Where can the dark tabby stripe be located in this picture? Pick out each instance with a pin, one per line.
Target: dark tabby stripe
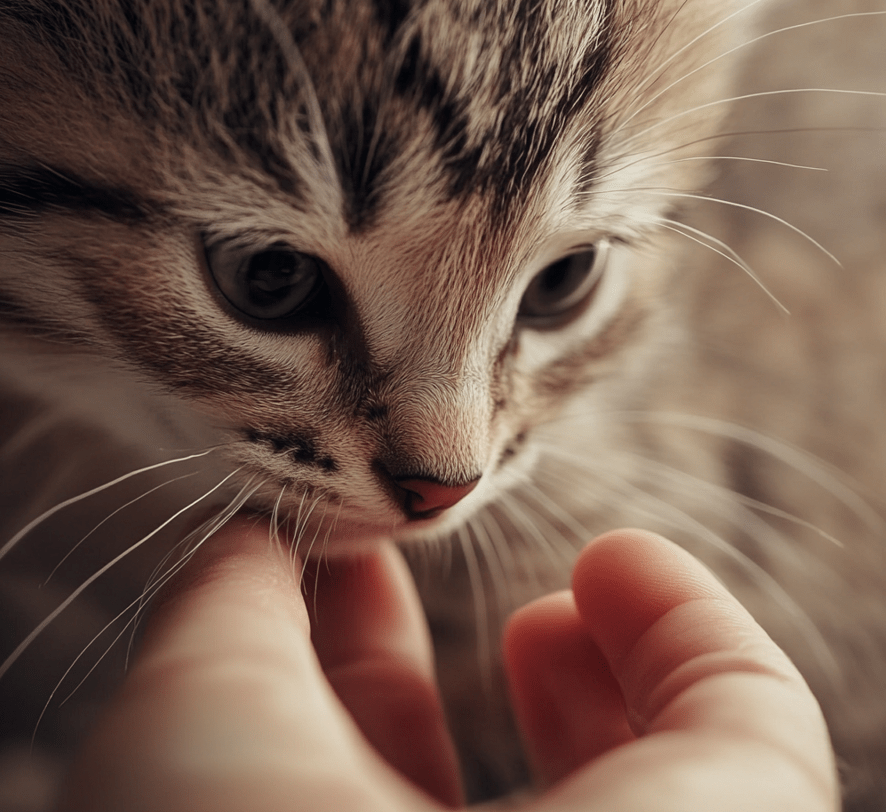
(27, 191)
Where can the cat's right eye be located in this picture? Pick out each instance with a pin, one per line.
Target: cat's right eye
(562, 289)
(277, 283)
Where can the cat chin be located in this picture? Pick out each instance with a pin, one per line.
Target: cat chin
(349, 536)
(352, 537)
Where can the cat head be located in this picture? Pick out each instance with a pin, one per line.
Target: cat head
(380, 244)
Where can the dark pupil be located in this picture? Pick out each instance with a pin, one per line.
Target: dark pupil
(555, 276)
(272, 275)
(272, 270)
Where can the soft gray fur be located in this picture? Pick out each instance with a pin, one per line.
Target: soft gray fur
(437, 156)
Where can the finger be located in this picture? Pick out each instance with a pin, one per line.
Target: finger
(719, 707)
(226, 707)
(373, 642)
(568, 705)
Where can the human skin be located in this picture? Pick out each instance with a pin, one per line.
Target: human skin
(645, 687)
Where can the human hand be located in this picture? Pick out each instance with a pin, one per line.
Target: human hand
(651, 689)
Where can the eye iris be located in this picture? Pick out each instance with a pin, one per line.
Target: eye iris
(562, 287)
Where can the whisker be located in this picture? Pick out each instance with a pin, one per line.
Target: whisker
(207, 529)
(475, 577)
(319, 557)
(324, 549)
(152, 579)
(275, 516)
(580, 532)
(746, 159)
(745, 44)
(154, 585)
(497, 573)
(700, 237)
(814, 468)
(74, 499)
(7, 663)
(300, 533)
(496, 535)
(515, 510)
(652, 156)
(668, 476)
(111, 516)
(568, 547)
(626, 144)
(730, 134)
(211, 526)
(745, 207)
(741, 499)
(444, 557)
(301, 519)
(656, 73)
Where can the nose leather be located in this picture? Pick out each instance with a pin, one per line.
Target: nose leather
(426, 498)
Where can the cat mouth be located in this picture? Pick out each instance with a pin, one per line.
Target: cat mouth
(318, 527)
(349, 536)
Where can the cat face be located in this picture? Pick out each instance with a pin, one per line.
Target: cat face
(381, 246)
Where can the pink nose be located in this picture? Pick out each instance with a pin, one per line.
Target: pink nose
(426, 498)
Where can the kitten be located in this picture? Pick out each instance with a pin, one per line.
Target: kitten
(398, 270)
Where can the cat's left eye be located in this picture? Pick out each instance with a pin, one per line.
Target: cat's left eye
(562, 289)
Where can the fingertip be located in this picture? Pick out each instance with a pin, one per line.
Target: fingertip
(568, 706)
(241, 572)
(625, 580)
(664, 622)
(631, 553)
(534, 634)
(531, 625)
(243, 538)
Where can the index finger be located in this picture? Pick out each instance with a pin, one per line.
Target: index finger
(226, 707)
